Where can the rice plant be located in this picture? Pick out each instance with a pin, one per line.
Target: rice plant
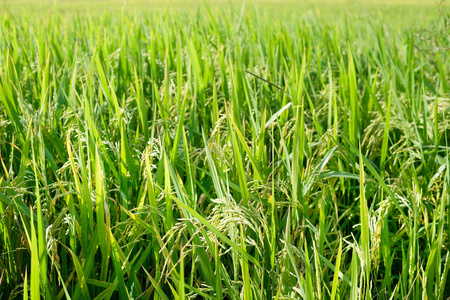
(223, 152)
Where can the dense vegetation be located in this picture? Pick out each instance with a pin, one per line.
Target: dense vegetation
(245, 154)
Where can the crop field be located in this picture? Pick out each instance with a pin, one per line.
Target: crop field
(224, 150)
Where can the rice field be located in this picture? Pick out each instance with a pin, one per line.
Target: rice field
(220, 150)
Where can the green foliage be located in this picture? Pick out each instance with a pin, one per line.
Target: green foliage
(223, 155)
